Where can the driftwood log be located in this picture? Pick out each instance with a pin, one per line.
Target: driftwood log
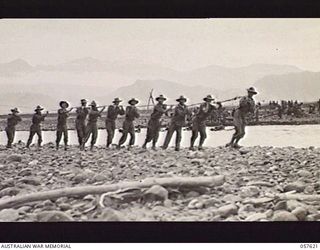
(85, 190)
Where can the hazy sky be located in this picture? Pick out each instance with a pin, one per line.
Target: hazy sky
(177, 43)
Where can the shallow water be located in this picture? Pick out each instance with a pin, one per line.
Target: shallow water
(272, 135)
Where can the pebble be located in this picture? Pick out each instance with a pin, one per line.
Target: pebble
(281, 205)
(26, 172)
(192, 194)
(284, 216)
(156, 193)
(300, 213)
(109, 214)
(53, 216)
(14, 158)
(297, 186)
(304, 173)
(256, 217)
(9, 215)
(31, 180)
(249, 191)
(9, 191)
(33, 163)
(227, 210)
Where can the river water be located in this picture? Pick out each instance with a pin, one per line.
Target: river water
(271, 135)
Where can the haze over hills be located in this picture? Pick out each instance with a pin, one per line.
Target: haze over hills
(103, 80)
(304, 86)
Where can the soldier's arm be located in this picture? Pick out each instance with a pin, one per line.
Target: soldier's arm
(136, 114)
(100, 112)
(121, 110)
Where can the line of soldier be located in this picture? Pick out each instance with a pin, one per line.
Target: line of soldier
(88, 127)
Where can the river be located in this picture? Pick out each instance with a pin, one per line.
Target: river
(271, 135)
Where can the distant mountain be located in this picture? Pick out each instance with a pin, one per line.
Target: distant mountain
(304, 86)
(14, 67)
(26, 102)
(228, 78)
(172, 90)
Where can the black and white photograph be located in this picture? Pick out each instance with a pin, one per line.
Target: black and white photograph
(177, 120)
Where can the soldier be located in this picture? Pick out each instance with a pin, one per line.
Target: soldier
(199, 122)
(62, 127)
(82, 113)
(128, 126)
(154, 123)
(178, 120)
(112, 114)
(35, 128)
(246, 106)
(12, 121)
(92, 127)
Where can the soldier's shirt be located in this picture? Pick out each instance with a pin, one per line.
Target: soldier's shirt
(93, 116)
(205, 110)
(82, 113)
(158, 111)
(13, 120)
(246, 105)
(180, 114)
(113, 112)
(131, 113)
(62, 117)
(36, 121)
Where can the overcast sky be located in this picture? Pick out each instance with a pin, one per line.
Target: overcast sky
(177, 43)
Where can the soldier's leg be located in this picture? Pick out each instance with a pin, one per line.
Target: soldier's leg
(58, 138)
(31, 135)
(124, 134)
(236, 122)
(94, 136)
(10, 135)
(149, 136)
(169, 134)
(65, 138)
(195, 131)
(203, 135)
(241, 134)
(132, 135)
(178, 137)
(110, 133)
(39, 134)
(155, 136)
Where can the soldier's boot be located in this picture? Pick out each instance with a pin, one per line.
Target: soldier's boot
(154, 146)
(91, 147)
(65, 147)
(177, 148)
(200, 147)
(144, 146)
(57, 146)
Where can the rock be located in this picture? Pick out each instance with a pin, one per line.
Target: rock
(309, 190)
(293, 204)
(227, 210)
(9, 191)
(284, 216)
(25, 172)
(211, 202)
(281, 205)
(249, 191)
(99, 178)
(256, 217)
(192, 194)
(31, 180)
(300, 213)
(198, 161)
(231, 198)
(65, 206)
(9, 215)
(168, 203)
(53, 216)
(110, 214)
(156, 193)
(304, 173)
(244, 151)
(89, 197)
(297, 186)
(195, 204)
(246, 210)
(14, 158)
(33, 163)
(24, 209)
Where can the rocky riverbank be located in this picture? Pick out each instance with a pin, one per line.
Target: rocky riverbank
(253, 179)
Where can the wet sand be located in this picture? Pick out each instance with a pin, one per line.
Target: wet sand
(251, 174)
